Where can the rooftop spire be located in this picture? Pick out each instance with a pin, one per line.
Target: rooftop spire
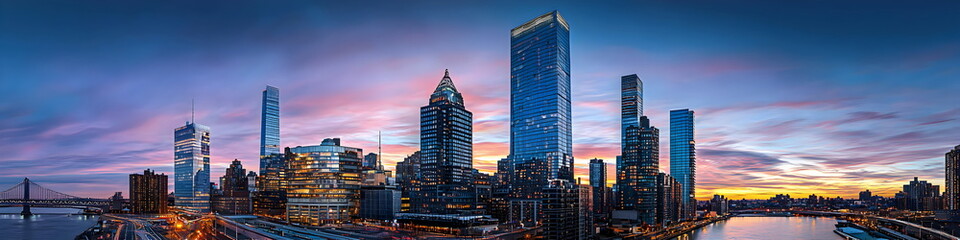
(446, 90)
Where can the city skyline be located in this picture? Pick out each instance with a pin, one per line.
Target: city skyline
(757, 142)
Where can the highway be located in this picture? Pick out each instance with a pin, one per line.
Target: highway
(134, 228)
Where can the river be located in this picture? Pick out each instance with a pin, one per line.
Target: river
(50, 223)
(765, 228)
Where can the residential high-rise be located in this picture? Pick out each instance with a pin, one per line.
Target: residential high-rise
(191, 151)
(586, 223)
(540, 119)
(270, 199)
(952, 194)
(683, 160)
(598, 183)
(919, 196)
(148, 193)
(638, 164)
(235, 199)
(560, 210)
(446, 153)
(866, 196)
(669, 201)
(720, 205)
(322, 183)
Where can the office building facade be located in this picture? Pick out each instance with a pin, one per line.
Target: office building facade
(191, 151)
(322, 183)
(446, 153)
(235, 196)
(683, 159)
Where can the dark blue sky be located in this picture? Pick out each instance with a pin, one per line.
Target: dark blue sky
(800, 97)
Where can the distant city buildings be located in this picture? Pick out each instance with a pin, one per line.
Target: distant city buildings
(234, 198)
(952, 181)
(191, 151)
(919, 196)
(408, 179)
(683, 161)
(322, 183)
(719, 205)
(669, 199)
(446, 154)
(148, 193)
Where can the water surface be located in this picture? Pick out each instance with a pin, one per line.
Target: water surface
(51, 223)
(766, 228)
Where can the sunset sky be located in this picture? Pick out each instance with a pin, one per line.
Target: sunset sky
(802, 98)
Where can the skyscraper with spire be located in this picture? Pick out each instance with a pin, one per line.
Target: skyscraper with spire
(446, 154)
(191, 150)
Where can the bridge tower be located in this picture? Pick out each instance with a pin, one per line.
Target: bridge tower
(26, 198)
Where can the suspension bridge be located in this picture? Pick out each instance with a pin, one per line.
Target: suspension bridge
(29, 193)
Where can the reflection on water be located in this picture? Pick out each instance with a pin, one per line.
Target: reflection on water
(764, 228)
(51, 223)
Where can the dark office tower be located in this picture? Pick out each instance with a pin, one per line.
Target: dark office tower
(638, 165)
(560, 209)
(446, 153)
(683, 159)
(669, 201)
(148, 193)
(408, 177)
(322, 183)
(540, 120)
(370, 161)
(866, 196)
(598, 182)
(637, 172)
(235, 199)
(953, 179)
(504, 176)
(191, 168)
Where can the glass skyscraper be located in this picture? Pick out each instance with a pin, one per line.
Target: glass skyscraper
(638, 164)
(191, 150)
(269, 198)
(683, 159)
(446, 154)
(598, 183)
(540, 120)
(270, 131)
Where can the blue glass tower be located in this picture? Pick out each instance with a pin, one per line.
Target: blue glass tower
(540, 122)
(191, 150)
(446, 154)
(638, 164)
(683, 160)
(269, 129)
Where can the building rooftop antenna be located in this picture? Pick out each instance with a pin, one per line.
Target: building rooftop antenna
(379, 150)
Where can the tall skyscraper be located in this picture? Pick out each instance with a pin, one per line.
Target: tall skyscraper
(953, 179)
(598, 182)
(148, 193)
(270, 123)
(269, 199)
(540, 120)
(191, 150)
(271, 160)
(683, 159)
(639, 163)
(446, 153)
(322, 183)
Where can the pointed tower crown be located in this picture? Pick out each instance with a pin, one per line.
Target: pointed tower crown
(446, 91)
